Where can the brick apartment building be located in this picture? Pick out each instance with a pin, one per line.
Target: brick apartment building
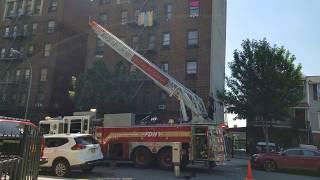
(52, 47)
(185, 38)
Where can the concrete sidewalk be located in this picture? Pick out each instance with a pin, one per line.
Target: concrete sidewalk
(53, 178)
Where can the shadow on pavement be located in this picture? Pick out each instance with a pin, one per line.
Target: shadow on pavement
(296, 172)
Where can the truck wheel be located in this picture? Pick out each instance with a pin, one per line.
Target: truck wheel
(61, 168)
(165, 158)
(142, 157)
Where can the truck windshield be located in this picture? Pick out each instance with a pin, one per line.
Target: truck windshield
(8, 128)
(44, 128)
(75, 126)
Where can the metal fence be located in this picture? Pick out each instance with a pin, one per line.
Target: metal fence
(20, 154)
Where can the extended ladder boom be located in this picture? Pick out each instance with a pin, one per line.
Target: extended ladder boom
(162, 79)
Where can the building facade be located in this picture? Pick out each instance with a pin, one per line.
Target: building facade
(302, 127)
(185, 38)
(312, 100)
(54, 44)
(50, 49)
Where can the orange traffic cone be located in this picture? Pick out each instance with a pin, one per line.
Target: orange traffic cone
(249, 175)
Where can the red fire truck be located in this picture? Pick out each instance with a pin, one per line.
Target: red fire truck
(200, 140)
(147, 144)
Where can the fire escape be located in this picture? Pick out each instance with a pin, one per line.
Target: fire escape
(143, 21)
(14, 36)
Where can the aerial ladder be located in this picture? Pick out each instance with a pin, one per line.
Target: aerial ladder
(214, 134)
(167, 83)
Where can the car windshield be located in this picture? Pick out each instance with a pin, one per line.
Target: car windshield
(85, 140)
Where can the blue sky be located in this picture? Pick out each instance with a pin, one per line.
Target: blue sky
(295, 24)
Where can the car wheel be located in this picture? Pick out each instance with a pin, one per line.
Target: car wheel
(87, 168)
(61, 168)
(165, 158)
(142, 157)
(269, 165)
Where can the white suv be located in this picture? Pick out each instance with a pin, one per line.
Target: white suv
(66, 151)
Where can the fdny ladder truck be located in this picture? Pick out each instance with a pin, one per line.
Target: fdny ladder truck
(175, 145)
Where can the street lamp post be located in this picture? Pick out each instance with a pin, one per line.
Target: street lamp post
(30, 80)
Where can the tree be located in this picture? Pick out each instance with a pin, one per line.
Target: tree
(108, 92)
(264, 83)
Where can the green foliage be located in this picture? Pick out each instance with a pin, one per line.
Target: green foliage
(108, 92)
(264, 82)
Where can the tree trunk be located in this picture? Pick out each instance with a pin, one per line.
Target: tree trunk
(266, 132)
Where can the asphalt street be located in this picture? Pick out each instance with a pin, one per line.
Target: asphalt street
(236, 169)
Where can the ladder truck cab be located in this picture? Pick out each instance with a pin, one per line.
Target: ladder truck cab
(66, 124)
(198, 140)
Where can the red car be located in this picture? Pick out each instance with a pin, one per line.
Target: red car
(294, 158)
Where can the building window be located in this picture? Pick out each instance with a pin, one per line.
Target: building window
(43, 75)
(6, 32)
(99, 48)
(316, 92)
(136, 16)
(124, 17)
(152, 42)
(164, 66)
(20, 7)
(18, 75)
(168, 11)
(8, 76)
(29, 7)
(34, 28)
(192, 68)
(10, 9)
(51, 26)
(47, 50)
(319, 119)
(14, 97)
(193, 38)
(135, 44)
(163, 97)
(166, 40)
(3, 53)
(103, 18)
(105, 1)
(53, 6)
(40, 99)
(194, 8)
(4, 97)
(23, 99)
(37, 9)
(27, 74)
(30, 50)
(15, 31)
(25, 30)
